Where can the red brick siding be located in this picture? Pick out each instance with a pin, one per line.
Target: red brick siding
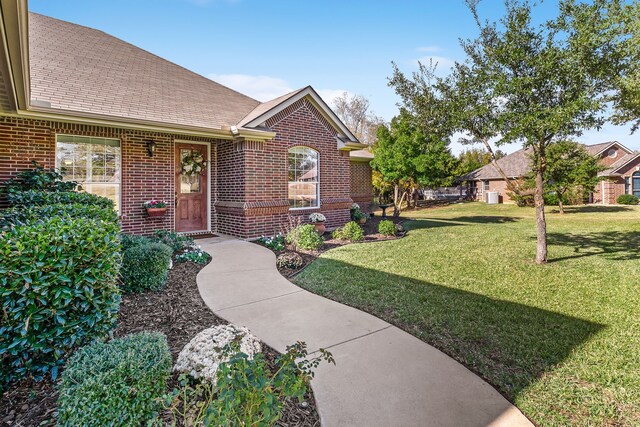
(143, 178)
(361, 186)
(606, 160)
(256, 202)
(498, 185)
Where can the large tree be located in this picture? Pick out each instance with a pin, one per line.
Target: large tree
(570, 168)
(354, 111)
(474, 158)
(408, 157)
(522, 83)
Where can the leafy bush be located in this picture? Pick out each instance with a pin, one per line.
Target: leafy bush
(246, 392)
(356, 213)
(551, 199)
(24, 214)
(289, 260)
(131, 240)
(146, 267)
(58, 288)
(275, 243)
(39, 198)
(627, 199)
(196, 255)
(115, 383)
(305, 237)
(39, 179)
(387, 228)
(174, 240)
(351, 231)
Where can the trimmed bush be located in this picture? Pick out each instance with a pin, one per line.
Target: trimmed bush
(131, 240)
(39, 179)
(387, 228)
(145, 267)
(351, 231)
(305, 237)
(115, 383)
(39, 198)
(174, 240)
(289, 260)
(627, 199)
(23, 214)
(58, 287)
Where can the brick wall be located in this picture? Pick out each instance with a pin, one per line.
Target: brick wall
(143, 178)
(253, 184)
(360, 186)
(498, 185)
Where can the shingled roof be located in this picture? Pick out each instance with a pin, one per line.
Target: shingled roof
(80, 69)
(515, 165)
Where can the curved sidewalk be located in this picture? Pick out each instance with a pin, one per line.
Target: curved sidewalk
(382, 377)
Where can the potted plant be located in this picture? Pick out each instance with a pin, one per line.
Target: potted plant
(317, 219)
(156, 207)
(357, 214)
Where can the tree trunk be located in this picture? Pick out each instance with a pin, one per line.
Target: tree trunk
(541, 223)
(560, 194)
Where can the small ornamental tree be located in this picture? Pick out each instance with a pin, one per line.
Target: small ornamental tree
(570, 166)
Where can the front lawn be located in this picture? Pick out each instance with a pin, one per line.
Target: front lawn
(561, 341)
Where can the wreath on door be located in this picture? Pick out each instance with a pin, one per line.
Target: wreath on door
(192, 165)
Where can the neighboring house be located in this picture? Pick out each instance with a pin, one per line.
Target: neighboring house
(621, 176)
(127, 124)
(361, 184)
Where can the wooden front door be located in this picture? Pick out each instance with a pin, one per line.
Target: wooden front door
(191, 188)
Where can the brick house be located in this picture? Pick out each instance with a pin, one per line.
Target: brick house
(132, 126)
(621, 176)
(361, 174)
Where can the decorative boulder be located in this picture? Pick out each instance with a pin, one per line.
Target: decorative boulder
(201, 357)
(399, 228)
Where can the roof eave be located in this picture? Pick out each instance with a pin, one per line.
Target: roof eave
(44, 113)
(15, 43)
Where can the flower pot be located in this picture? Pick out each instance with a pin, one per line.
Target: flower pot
(362, 220)
(156, 211)
(320, 228)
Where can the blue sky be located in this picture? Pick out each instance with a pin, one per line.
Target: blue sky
(267, 48)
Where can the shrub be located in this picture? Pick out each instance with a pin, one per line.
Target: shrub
(627, 199)
(39, 179)
(305, 237)
(115, 383)
(39, 198)
(24, 214)
(351, 231)
(196, 255)
(289, 260)
(246, 392)
(387, 228)
(174, 240)
(131, 240)
(551, 199)
(275, 243)
(145, 267)
(58, 287)
(356, 212)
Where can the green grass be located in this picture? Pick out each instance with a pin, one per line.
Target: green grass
(561, 341)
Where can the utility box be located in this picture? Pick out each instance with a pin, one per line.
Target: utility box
(493, 198)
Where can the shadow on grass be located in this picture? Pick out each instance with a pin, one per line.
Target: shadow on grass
(461, 220)
(595, 209)
(509, 344)
(615, 245)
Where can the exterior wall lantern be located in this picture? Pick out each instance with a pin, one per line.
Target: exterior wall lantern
(151, 147)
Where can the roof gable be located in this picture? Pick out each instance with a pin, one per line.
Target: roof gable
(262, 113)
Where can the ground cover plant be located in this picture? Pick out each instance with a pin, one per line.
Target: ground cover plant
(560, 341)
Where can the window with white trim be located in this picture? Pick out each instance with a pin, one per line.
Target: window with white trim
(304, 184)
(93, 162)
(485, 185)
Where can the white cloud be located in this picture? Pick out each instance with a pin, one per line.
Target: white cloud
(262, 88)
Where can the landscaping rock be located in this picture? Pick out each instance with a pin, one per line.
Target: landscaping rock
(201, 357)
(399, 228)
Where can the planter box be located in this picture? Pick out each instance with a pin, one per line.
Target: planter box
(155, 212)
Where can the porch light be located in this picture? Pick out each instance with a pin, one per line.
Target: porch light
(151, 147)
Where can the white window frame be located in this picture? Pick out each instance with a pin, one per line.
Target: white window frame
(58, 166)
(317, 206)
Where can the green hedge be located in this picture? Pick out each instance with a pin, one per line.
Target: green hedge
(31, 198)
(117, 383)
(58, 288)
(627, 199)
(305, 237)
(387, 228)
(22, 214)
(131, 240)
(351, 231)
(145, 267)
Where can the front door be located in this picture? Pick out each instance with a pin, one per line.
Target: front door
(192, 163)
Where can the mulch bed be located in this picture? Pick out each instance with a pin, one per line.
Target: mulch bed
(370, 235)
(179, 312)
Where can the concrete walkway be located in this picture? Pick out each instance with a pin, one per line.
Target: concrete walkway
(382, 377)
